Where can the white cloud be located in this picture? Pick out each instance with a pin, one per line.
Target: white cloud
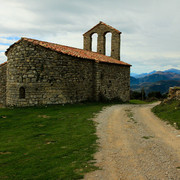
(4, 40)
(150, 29)
(3, 47)
(2, 57)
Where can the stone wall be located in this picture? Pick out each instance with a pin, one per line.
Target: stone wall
(114, 82)
(3, 84)
(174, 93)
(48, 77)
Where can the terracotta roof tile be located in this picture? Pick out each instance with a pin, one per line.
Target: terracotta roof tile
(3, 63)
(80, 53)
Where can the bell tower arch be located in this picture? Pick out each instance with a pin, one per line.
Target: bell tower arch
(102, 29)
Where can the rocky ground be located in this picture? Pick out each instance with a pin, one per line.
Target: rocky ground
(135, 144)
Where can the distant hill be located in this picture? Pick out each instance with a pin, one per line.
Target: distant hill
(157, 81)
(162, 86)
(134, 74)
(141, 75)
(155, 77)
(159, 76)
(177, 71)
(134, 80)
(173, 71)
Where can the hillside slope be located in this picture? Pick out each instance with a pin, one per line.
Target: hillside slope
(155, 77)
(177, 71)
(161, 86)
(158, 81)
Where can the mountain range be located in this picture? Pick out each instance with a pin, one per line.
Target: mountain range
(177, 71)
(155, 80)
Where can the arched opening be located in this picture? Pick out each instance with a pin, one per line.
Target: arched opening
(94, 39)
(22, 93)
(108, 39)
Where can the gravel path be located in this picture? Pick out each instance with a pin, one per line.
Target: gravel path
(135, 145)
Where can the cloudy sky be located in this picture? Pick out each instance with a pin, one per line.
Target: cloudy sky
(150, 28)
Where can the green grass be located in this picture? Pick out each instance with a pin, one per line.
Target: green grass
(130, 115)
(147, 137)
(136, 101)
(54, 142)
(169, 112)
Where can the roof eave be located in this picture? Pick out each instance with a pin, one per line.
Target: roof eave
(26, 39)
(17, 42)
(3, 64)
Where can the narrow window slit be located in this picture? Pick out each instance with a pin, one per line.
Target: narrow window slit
(22, 93)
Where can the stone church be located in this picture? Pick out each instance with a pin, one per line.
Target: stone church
(41, 73)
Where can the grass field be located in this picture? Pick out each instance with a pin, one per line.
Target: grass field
(54, 142)
(169, 112)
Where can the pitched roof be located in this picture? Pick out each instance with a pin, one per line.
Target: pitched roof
(105, 25)
(3, 63)
(80, 53)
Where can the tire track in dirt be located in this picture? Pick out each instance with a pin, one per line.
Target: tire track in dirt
(135, 144)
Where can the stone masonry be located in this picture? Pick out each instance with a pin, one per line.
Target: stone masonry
(48, 77)
(3, 83)
(174, 93)
(41, 73)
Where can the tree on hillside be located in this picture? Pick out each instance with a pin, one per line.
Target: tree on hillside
(143, 95)
(155, 94)
(135, 95)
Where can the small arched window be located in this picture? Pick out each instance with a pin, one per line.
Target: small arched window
(22, 93)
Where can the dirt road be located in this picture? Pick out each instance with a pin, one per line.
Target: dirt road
(135, 145)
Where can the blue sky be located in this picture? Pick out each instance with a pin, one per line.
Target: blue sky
(150, 29)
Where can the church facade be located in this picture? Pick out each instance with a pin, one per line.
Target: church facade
(41, 73)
